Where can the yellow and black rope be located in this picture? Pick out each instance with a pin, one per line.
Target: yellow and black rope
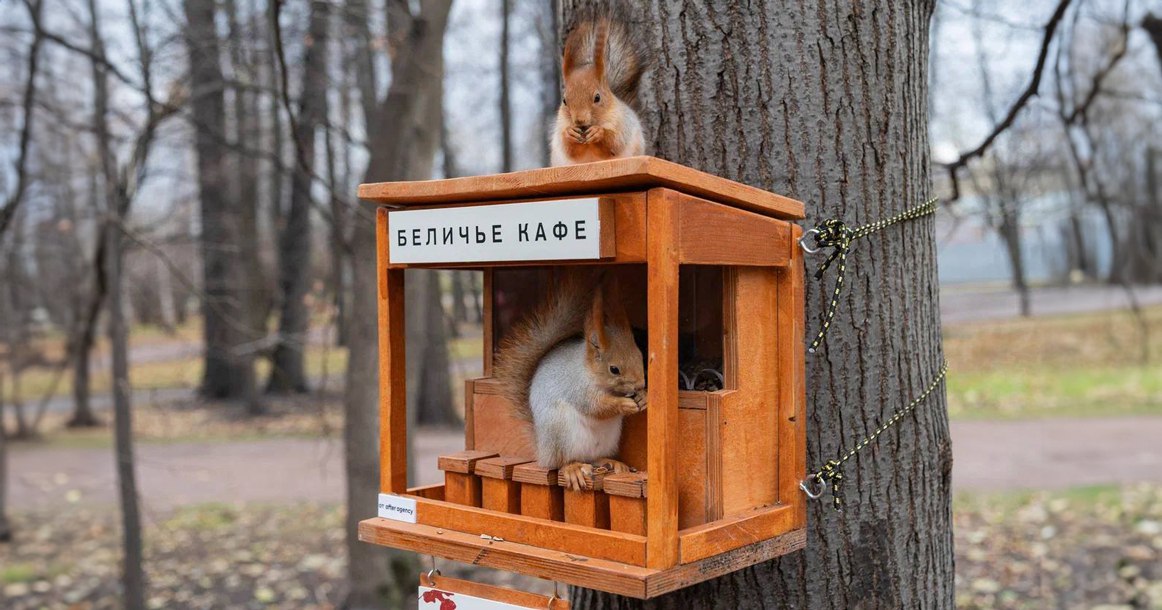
(833, 234)
(832, 472)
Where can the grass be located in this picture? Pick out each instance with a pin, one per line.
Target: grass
(1061, 366)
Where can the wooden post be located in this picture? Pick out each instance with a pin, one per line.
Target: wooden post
(662, 379)
(540, 496)
(589, 506)
(461, 483)
(393, 467)
(627, 502)
(499, 491)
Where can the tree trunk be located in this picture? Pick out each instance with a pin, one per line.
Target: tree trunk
(429, 387)
(288, 373)
(245, 174)
(505, 89)
(403, 148)
(1010, 231)
(827, 103)
(5, 524)
(550, 73)
(116, 203)
(229, 360)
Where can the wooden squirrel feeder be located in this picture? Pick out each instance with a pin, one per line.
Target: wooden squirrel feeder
(712, 277)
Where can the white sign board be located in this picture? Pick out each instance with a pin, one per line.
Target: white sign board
(431, 598)
(568, 229)
(397, 508)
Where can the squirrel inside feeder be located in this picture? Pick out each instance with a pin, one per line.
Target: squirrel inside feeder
(572, 369)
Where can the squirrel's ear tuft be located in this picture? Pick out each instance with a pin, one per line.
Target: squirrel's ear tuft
(595, 322)
(600, 39)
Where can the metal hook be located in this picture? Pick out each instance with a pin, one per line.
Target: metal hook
(803, 241)
(432, 572)
(813, 492)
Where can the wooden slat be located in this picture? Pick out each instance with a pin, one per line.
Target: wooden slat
(631, 173)
(542, 501)
(712, 567)
(793, 385)
(571, 568)
(500, 594)
(463, 462)
(715, 234)
(662, 375)
(534, 473)
(501, 495)
(580, 570)
(582, 541)
(500, 467)
(626, 484)
(627, 515)
(735, 531)
(392, 373)
(463, 489)
(469, 416)
(431, 492)
(750, 427)
(587, 508)
(714, 474)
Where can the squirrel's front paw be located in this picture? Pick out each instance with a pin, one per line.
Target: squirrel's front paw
(614, 466)
(639, 399)
(575, 134)
(574, 475)
(628, 405)
(595, 134)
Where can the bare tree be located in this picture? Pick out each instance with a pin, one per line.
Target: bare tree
(505, 88)
(229, 357)
(28, 115)
(794, 66)
(406, 136)
(288, 373)
(548, 26)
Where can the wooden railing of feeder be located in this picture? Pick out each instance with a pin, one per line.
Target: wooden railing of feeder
(717, 487)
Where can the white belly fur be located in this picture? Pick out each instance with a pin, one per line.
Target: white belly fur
(563, 432)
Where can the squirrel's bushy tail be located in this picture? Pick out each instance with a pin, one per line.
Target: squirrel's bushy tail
(559, 316)
(622, 57)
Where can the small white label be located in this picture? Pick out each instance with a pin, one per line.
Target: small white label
(569, 229)
(397, 508)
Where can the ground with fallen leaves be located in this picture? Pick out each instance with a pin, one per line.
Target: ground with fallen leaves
(1087, 548)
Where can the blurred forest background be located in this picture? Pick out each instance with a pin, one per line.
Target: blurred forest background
(185, 275)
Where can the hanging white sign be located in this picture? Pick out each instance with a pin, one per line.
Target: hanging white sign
(567, 229)
(443, 593)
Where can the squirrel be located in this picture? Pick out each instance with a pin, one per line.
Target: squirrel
(572, 369)
(601, 68)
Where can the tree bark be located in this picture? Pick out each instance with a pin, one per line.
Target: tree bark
(404, 146)
(288, 373)
(550, 73)
(229, 361)
(827, 103)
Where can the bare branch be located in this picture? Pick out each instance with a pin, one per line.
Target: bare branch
(8, 212)
(1029, 93)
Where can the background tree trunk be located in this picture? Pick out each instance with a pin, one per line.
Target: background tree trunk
(429, 387)
(505, 89)
(548, 28)
(404, 146)
(229, 361)
(827, 103)
(5, 524)
(288, 373)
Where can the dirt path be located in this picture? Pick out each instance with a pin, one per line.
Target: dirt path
(987, 456)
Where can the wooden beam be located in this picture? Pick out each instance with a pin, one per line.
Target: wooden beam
(662, 376)
(716, 234)
(393, 469)
(735, 532)
(632, 173)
